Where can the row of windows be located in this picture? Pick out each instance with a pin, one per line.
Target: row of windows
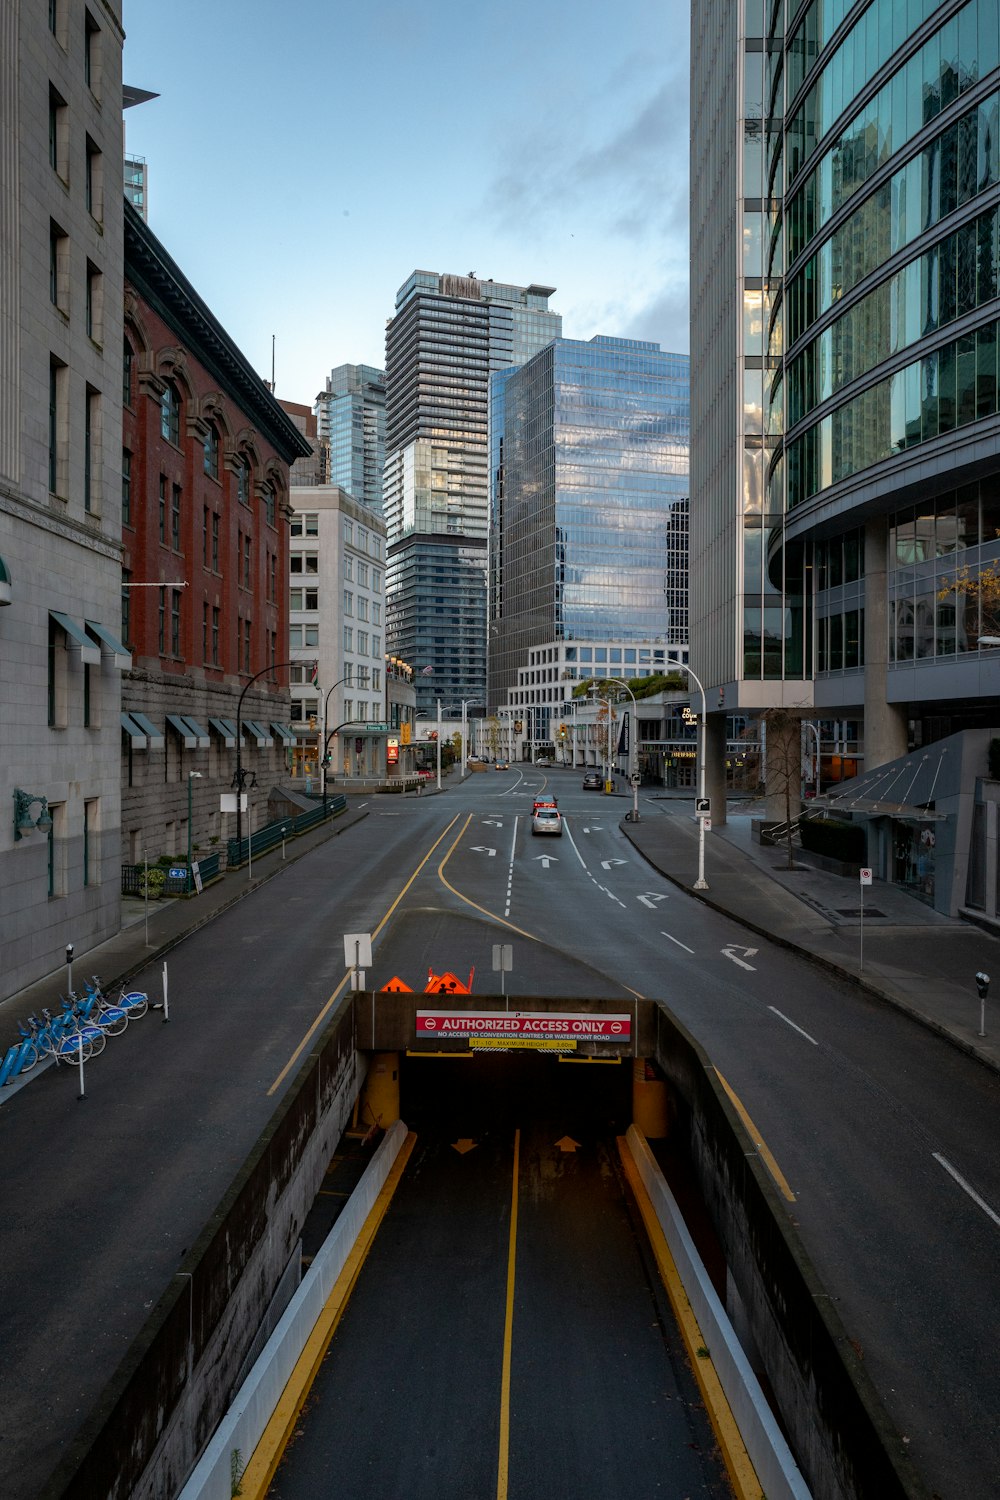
(60, 283)
(59, 156)
(875, 36)
(819, 22)
(960, 163)
(840, 641)
(952, 61)
(953, 278)
(58, 435)
(945, 390)
(961, 519)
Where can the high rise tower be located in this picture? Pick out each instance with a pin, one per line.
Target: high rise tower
(448, 334)
(351, 419)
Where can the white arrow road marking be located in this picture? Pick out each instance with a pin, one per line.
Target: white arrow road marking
(492, 822)
(651, 897)
(781, 1016)
(606, 864)
(677, 941)
(547, 859)
(595, 828)
(729, 953)
(482, 849)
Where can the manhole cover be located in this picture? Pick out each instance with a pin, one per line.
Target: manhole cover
(856, 911)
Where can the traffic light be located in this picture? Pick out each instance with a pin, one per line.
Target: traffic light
(328, 759)
(404, 734)
(562, 731)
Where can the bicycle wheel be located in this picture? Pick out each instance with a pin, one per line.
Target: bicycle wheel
(67, 1049)
(113, 1021)
(28, 1059)
(95, 1039)
(136, 1003)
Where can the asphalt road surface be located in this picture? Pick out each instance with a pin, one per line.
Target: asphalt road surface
(411, 1399)
(885, 1135)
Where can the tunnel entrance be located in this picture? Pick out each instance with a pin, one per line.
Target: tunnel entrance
(500, 1090)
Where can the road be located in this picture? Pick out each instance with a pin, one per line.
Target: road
(874, 1123)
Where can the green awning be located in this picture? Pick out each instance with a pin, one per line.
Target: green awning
(121, 657)
(90, 652)
(196, 729)
(156, 737)
(188, 737)
(257, 732)
(283, 732)
(139, 738)
(225, 729)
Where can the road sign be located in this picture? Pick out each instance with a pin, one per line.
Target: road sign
(376, 728)
(357, 950)
(703, 807)
(503, 958)
(636, 778)
(177, 872)
(866, 877)
(196, 872)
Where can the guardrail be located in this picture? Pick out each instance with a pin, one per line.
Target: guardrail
(238, 851)
(134, 877)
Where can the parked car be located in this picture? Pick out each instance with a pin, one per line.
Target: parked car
(546, 820)
(592, 782)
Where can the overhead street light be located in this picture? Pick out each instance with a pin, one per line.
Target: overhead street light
(701, 884)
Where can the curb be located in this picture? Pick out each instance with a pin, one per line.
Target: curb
(897, 1002)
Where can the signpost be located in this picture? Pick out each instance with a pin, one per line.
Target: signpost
(503, 961)
(866, 879)
(503, 1031)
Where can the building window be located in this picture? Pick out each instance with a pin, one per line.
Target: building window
(175, 517)
(215, 542)
(58, 678)
(362, 575)
(247, 569)
(128, 358)
(175, 622)
(58, 135)
(349, 567)
(126, 487)
(246, 645)
(348, 637)
(57, 426)
(92, 181)
(376, 679)
(376, 613)
(170, 414)
(126, 607)
(92, 54)
(93, 309)
(362, 607)
(161, 621)
(267, 495)
(273, 594)
(58, 267)
(242, 482)
(204, 536)
(91, 435)
(376, 581)
(53, 16)
(211, 458)
(163, 510)
(215, 636)
(90, 841)
(348, 603)
(204, 631)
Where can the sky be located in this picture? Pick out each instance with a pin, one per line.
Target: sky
(304, 160)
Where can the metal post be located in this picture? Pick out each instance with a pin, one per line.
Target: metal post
(465, 732)
(983, 985)
(69, 970)
(250, 841)
(701, 884)
(861, 932)
(166, 1002)
(192, 776)
(439, 744)
(145, 890)
(79, 1050)
(284, 830)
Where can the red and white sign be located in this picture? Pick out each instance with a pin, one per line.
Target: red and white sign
(866, 877)
(540, 1024)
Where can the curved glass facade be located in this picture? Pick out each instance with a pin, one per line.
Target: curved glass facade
(952, 61)
(953, 278)
(958, 165)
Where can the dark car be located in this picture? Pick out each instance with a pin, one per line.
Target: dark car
(592, 782)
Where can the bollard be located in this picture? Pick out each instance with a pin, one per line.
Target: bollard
(983, 986)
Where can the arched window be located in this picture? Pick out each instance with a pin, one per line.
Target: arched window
(170, 414)
(128, 356)
(212, 451)
(267, 495)
(243, 482)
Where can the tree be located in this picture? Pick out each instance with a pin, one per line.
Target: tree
(783, 764)
(981, 593)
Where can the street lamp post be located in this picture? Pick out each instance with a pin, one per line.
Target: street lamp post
(239, 780)
(437, 741)
(632, 747)
(192, 776)
(701, 884)
(326, 740)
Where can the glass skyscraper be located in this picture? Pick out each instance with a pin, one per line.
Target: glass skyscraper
(350, 416)
(845, 525)
(449, 333)
(589, 461)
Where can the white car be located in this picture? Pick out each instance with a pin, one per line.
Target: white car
(546, 820)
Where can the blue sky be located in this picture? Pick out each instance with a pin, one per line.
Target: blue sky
(300, 171)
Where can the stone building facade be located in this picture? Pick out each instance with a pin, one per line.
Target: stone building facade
(205, 458)
(60, 440)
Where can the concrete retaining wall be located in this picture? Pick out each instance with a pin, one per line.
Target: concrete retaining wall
(839, 1432)
(163, 1404)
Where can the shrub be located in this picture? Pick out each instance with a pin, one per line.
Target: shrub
(154, 882)
(835, 839)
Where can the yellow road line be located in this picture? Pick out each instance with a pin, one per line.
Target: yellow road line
(765, 1153)
(503, 1465)
(267, 1455)
(325, 1011)
(742, 1474)
(468, 901)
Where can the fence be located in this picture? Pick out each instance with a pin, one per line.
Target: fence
(238, 851)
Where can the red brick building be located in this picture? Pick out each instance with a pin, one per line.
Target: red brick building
(205, 461)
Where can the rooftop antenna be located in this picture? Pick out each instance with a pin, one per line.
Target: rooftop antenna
(273, 336)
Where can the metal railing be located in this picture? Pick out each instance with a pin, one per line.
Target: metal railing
(238, 850)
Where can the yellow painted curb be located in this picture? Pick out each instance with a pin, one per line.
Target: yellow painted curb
(742, 1474)
(267, 1455)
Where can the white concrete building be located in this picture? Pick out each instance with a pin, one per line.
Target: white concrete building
(61, 289)
(336, 623)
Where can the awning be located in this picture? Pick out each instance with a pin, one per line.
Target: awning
(189, 738)
(283, 732)
(196, 729)
(120, 657)
(5, 583)
(225, 729)
(257, 732)
(156, 738)
(904, 788)
(90, 652)
(139, 738)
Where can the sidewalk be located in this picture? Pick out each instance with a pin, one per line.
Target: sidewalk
(914, 958)
(128, 953)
